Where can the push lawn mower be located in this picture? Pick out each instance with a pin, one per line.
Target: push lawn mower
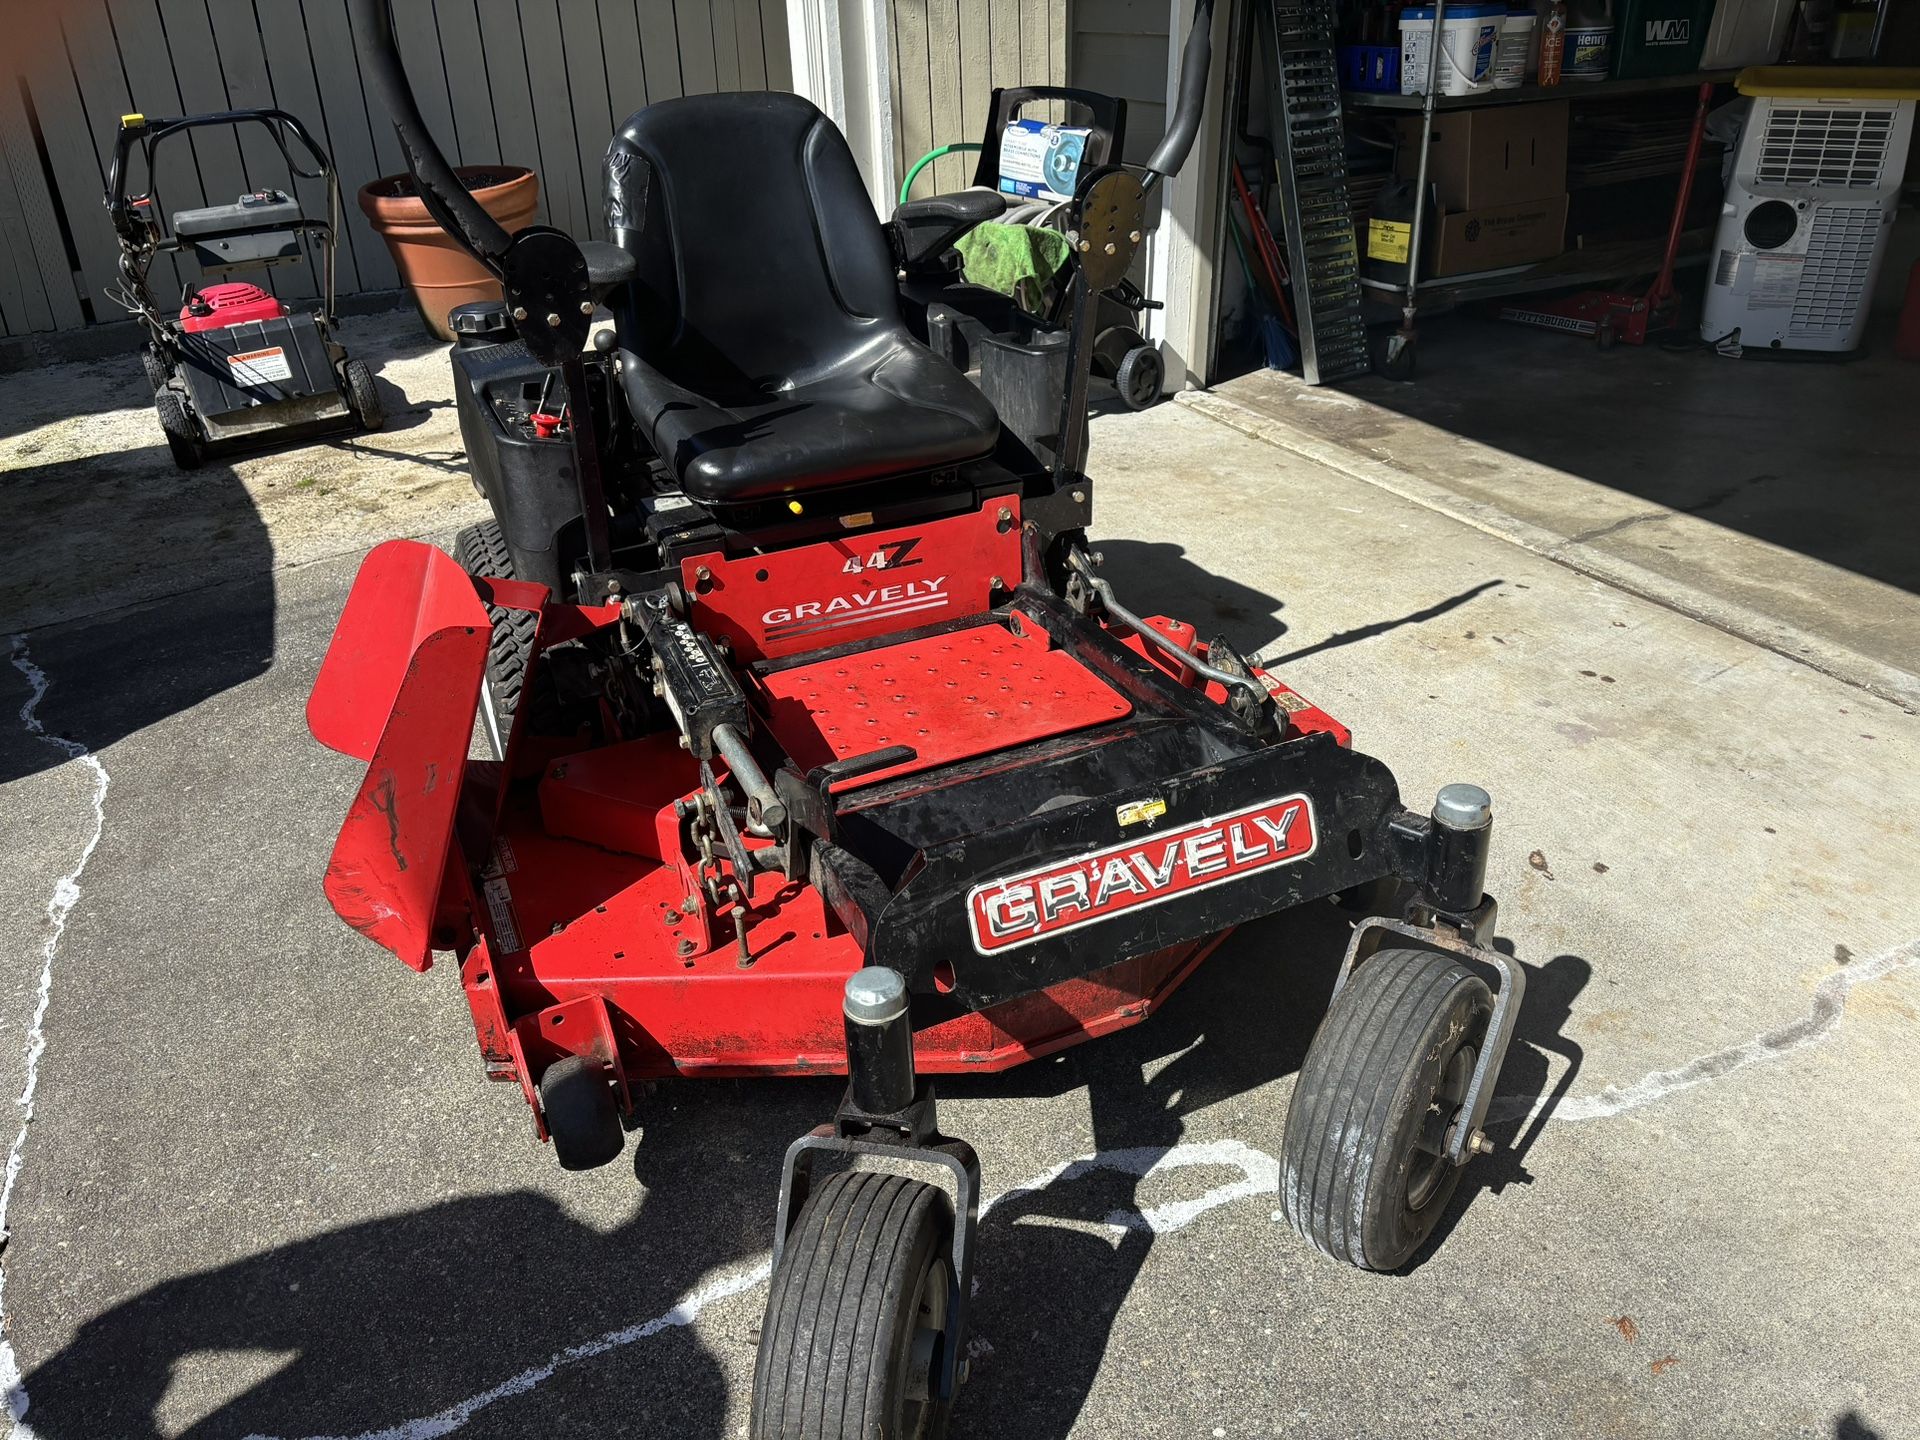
(235, 366)
(820, 745)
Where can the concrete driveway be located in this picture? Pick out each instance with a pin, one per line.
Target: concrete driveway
(265, 1191)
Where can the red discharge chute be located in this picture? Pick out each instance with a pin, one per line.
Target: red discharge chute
(398, 689)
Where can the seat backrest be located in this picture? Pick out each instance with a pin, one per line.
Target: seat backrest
(760, 260)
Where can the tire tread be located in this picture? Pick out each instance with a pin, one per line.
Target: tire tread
(827, 1303)
(1351, 1092)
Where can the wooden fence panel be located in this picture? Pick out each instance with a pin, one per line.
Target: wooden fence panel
(336, 70)
(948, 58)
(693, 23)
(912, 92)
(471, 135)
(533, 82)
(295, 88)
(142, 55)
(773, 44)
(660, 51)
(580, 25)
(76, 175)
(624, 54)
(18, 316)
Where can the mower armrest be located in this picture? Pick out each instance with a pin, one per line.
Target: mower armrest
(921, 231)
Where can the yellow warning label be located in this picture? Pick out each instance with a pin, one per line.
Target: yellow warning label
(1137, 812)
(1390, 240)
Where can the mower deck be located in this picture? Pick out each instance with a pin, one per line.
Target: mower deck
(588, 903)
(608, 928)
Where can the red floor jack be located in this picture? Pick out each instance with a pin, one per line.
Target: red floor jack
(1610, 315)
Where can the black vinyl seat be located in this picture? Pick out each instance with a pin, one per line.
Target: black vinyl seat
(762, 345)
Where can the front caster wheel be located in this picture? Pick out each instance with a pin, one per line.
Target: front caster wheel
(1363, 1175)
(583, 1121)
(855, 1333)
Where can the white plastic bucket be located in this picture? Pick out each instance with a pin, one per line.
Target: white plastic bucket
(1515, 50)
(1469, 36)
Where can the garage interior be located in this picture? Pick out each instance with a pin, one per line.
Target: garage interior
(1519, 375)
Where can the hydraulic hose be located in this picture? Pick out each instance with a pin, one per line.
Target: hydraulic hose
(446, 199)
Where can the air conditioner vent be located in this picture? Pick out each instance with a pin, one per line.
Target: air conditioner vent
(1838, 272)
(1821, 145)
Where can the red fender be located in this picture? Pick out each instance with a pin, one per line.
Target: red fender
(398, 689)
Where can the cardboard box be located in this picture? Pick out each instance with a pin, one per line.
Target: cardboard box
(1497, 236)
(1495, 156)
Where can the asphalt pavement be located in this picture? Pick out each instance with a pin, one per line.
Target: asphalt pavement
(266, 1191)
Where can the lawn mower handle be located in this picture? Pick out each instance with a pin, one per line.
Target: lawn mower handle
(149, 133)
(152, 132)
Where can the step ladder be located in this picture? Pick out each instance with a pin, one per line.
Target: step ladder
(1309, 142)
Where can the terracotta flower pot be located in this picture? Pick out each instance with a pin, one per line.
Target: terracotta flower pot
(439, 273)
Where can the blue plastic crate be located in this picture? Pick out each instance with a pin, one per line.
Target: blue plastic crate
(1369, 67)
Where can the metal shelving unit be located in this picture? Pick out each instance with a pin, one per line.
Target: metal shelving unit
(1593, 265)
(1415, 294)
(1566, 90)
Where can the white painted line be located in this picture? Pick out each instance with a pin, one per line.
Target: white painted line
(66, 894)
(1259, 1174)
(684, 1312)
(1821, 1019)
(1259, 1178)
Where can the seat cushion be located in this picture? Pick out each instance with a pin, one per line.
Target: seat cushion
(765, 349)
(902, 411)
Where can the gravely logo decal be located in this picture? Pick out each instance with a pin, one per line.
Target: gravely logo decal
(1020, 909)
(811, 616)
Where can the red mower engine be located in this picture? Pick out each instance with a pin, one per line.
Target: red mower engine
(235, 303)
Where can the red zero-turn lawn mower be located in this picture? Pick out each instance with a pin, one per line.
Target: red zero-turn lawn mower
(820, 745)
(235, 367)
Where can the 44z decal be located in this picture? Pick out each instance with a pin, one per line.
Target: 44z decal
(1020, 909)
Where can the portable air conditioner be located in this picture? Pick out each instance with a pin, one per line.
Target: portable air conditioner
(1810, 201)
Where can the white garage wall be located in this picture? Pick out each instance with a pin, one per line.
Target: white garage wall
(1119, 47)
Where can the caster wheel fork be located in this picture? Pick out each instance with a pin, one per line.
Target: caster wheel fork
(865, 1327)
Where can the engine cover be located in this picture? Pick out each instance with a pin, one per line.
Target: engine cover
(218, 306)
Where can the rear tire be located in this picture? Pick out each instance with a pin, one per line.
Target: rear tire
(1360, 1173)
(482, 551)
(854, 1335)
(155, 364)
(363, 398)
(182, 440)
(583, 1121)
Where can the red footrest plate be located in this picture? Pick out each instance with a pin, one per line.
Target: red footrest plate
(951, 697)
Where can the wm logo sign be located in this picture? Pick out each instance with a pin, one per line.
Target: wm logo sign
(1669, 32)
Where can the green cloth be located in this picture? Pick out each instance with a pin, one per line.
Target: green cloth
(1016, 260)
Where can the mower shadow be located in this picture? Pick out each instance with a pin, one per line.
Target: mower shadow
(1524, 1103)
(1243, 1020)
(142, 590)
(108, 595)
(1154, 577)
(459, 1308)
(456, 1310)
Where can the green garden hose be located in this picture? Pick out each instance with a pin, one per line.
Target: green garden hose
(931, 156)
